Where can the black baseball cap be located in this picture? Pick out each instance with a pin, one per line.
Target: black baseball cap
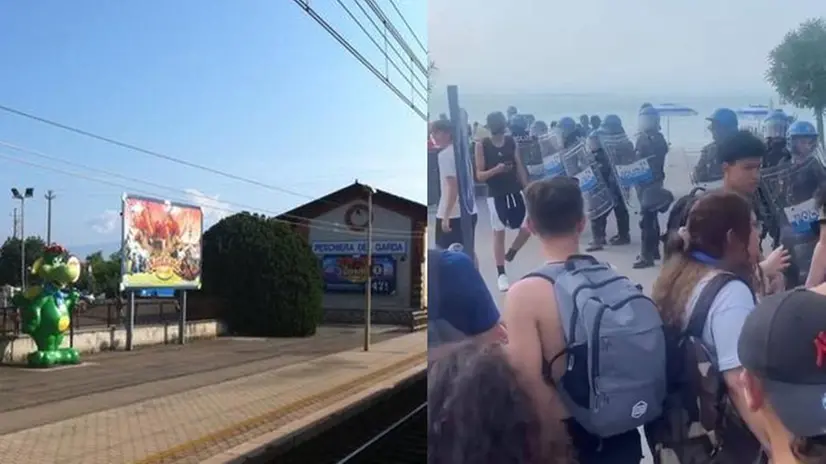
(783, 342)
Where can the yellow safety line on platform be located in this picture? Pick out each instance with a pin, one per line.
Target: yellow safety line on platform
(184, 450)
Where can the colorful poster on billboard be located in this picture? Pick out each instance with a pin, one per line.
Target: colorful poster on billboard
(161, 244)
(348, 274)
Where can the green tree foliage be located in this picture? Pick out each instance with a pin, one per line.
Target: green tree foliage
(10, 258)
(797, 68)
(105, 275)
(267, 274)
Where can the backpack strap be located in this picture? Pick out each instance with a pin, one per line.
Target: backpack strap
(551, 272)
(702, 307)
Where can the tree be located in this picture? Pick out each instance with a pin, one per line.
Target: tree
(797, 68)
(10, 258)
(431, 69)
(266, 273)
(105, 275)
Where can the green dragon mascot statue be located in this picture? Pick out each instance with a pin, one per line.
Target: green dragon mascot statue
(46, 309)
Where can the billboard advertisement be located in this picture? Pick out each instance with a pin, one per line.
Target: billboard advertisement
(348, 274)
(161, 244)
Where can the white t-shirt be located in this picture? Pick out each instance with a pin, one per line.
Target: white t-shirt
(725, 319)
(447, 168)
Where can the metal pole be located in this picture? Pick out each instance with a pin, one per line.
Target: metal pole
(464, 170)
(182, 320)
(49, 197)
(14, 229)
(369, 286)
(130, 320)
(22, 243)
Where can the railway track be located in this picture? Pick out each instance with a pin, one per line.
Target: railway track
(391, 428)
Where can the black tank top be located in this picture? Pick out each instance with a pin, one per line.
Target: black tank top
(505, 183)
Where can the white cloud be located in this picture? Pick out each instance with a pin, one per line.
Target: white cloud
(213, 209)
(106, 222)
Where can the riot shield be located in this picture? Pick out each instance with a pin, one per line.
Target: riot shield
(579, 163)
(549, 149)
(628, 169)
(708, 172)
(789, 188)
(531, 157)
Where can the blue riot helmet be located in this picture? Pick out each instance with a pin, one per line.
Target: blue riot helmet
(645, 105)
(539, 128)
(567, 126)
(723, 123)
(612, 124)
(802, 138)
(518, 124)
(649, 119)
(776, 125)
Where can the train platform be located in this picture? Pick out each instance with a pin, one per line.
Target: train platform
(204, 402)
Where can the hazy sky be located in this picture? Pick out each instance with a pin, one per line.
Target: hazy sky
(665, 46)
(254, 88)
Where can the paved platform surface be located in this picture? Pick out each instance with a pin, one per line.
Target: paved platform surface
(186, 404)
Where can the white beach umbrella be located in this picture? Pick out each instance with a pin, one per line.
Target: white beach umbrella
(672, 110)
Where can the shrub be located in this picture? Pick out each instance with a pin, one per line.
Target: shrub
(267, 274)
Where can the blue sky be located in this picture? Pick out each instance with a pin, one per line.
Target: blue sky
(253, 87)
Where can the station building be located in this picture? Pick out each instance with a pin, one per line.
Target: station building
(335, 226)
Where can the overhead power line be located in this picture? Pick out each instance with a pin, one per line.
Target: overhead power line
(159, 155)
(395, 33)
(356, 54)
(388, 44)
(238, 206)
(409, 29)
(306, 222)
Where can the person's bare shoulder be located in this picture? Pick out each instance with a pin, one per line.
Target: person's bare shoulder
(527, 297)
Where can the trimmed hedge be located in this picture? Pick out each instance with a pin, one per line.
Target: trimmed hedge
(267, 274)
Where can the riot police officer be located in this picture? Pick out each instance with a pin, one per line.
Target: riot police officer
(723, 124)
(651, 146)
(518, 127)
(802, 140)
(775, 127)
(539, 128)
(599, 224)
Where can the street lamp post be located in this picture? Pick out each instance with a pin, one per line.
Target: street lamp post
(27, 193)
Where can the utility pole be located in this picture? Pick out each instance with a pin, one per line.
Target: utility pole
(369, 284)
(14, 224)
(49, 197)
(22, 196)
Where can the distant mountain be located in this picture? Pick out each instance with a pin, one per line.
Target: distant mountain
(82, 251)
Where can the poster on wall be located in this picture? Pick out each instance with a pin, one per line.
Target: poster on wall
(161, 244)
(348, 274)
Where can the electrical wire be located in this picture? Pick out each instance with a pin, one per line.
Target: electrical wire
(387, 58)
(395, 33)
(298, 219)
(387, 43)
(366, 63)
(338, 229)
(409, 29)
(159, 155)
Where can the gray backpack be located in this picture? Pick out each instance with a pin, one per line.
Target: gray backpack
(615, 376)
